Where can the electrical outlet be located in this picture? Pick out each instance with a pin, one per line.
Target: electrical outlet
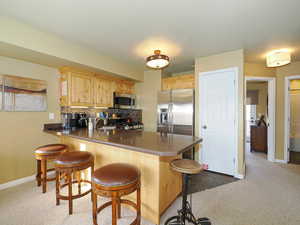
(51, 116)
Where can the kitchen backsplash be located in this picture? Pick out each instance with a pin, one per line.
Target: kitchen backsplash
(134, 114)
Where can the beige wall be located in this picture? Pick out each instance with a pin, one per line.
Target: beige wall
(262, 88)
(21, 132)
(43, 47)
(217, 62)
(147, 98)
(282, 72)
(258, 70)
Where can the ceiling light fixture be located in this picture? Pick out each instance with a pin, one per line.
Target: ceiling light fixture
(157, 61)
(278, 58)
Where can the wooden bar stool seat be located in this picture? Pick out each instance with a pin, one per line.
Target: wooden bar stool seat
(69, 163)
(114, 181)
(43, 155)
(186, 166)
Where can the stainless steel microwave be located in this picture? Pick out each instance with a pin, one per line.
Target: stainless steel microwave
(124, 101)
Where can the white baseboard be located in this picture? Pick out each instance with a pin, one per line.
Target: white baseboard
(280, 161)
(21, 181)
(240, 176)
(17, 182)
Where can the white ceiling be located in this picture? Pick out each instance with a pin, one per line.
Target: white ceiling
(130, 30)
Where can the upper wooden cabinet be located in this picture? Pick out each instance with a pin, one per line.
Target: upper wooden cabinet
(76, 88)
(125, 87)
(103, 92)
(178, 82)
(81, 88)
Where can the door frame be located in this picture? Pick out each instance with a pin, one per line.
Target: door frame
(287, 106)
(272, 112)
(236, 116)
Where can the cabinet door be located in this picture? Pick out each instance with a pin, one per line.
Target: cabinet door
(178, 82)
(64, 90)
(125, 87)
(109, 93)
(81, 90)
(103, 92)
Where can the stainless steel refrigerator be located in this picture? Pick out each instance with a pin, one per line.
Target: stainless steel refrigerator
(175, 111)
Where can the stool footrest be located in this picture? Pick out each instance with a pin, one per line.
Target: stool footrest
(64, 197)
(75, 182)
(123, 201)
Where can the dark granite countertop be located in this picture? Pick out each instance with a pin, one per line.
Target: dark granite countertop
(161, 144)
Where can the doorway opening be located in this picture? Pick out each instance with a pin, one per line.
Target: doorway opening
(260, 117)
(292, 151)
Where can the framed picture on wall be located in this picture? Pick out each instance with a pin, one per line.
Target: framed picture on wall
(23, 94)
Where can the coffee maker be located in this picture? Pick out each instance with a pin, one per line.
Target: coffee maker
(74, 120)
(82, 121)
(68, 120)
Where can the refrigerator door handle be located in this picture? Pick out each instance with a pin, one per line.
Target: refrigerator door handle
(171, 128)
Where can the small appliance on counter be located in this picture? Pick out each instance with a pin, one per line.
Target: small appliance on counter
(74, 120)
(127, 125)
(82, 120)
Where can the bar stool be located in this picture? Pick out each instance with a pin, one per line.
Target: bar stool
(114, 181)
(70, 163)
(43, 154)
(186, 167)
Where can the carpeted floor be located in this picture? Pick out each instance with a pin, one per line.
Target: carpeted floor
(270, 195)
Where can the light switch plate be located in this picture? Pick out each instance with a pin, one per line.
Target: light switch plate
(51, 116)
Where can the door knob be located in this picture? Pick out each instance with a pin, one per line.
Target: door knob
(204, 127)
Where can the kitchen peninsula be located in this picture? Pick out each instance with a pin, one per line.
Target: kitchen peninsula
(151, 152)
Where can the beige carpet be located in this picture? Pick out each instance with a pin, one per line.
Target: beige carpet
(270, 195)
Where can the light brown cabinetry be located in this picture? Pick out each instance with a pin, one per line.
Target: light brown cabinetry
(81, 88)
(178, 82)
(103, 92)
(125, 87)
(76, 88)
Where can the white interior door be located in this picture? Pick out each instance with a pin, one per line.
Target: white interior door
(218, 116)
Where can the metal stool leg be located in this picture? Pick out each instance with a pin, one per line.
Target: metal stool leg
(185, 213)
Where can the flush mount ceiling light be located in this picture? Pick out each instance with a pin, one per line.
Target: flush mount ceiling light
(157, 61)
(278, 58)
